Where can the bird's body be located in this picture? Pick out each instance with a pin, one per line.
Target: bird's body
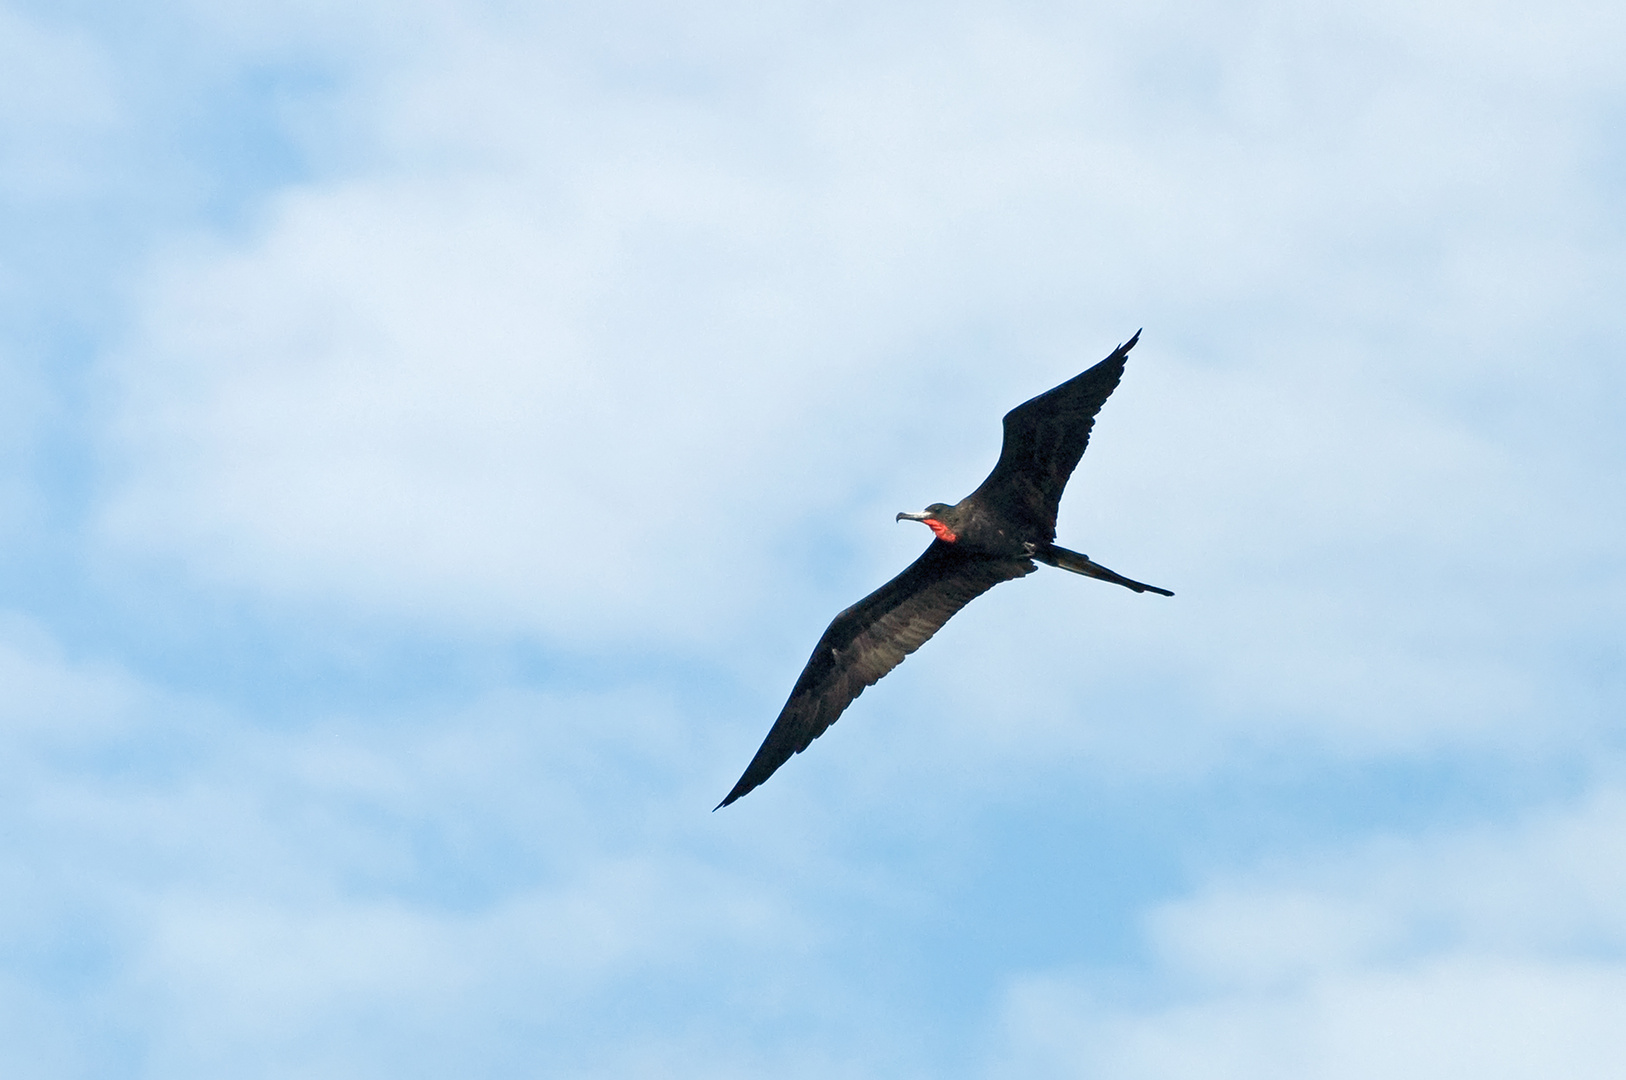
(994, 534)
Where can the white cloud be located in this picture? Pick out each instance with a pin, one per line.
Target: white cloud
(188, 892)
(587, 343)
(628, 327)
(57, 106)
(1490, 952)
(1455, 1017)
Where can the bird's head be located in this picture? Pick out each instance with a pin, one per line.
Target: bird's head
(935, 517)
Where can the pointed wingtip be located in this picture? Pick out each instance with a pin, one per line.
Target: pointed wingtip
(1130, 344)
(734, 795)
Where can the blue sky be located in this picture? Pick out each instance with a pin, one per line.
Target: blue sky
(436, 433)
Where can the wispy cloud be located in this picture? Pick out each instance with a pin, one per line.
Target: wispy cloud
(1486, 951)
(435, 433)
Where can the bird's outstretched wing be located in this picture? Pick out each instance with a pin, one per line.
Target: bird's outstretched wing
(871, 638)
(1044, 439)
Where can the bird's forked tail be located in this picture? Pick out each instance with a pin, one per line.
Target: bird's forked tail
(1081, 564)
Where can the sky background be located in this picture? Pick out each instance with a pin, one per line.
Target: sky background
(435, 433)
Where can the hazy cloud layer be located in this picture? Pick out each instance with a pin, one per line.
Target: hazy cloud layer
(436, 433)
(1491, 952)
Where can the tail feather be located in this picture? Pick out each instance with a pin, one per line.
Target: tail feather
(1081, 564)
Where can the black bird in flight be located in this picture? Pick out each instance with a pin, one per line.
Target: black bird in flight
(992, 535)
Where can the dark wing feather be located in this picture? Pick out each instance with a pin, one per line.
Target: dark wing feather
(1044, 439)
(871, 638)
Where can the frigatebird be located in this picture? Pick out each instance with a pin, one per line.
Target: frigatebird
(992, 535)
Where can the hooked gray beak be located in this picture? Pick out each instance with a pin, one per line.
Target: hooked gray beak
(907, 516)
